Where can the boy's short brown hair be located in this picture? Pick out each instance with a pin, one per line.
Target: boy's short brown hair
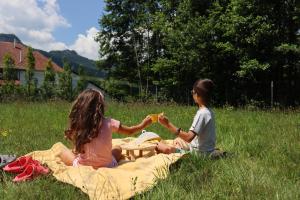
(204, 89)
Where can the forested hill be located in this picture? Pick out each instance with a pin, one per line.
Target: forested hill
(75, 60)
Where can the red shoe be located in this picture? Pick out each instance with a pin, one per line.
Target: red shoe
(18, 165)
(27, 174)
(40, 169)
(32, 170)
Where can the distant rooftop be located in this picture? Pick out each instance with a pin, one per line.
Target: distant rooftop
(18, 51)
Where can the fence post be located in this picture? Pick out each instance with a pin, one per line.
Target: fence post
(156, 96)
(156, 89)
(188, 97)
(272, 88)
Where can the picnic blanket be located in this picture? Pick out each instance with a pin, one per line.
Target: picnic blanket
(122, 182)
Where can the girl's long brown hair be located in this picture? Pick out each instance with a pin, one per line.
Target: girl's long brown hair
(85, 118)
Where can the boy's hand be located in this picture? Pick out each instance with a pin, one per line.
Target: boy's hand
(147, 121)
(163, 120)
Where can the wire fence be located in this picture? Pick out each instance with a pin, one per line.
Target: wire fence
(261, 94)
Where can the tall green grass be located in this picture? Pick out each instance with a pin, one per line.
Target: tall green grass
(264, 147)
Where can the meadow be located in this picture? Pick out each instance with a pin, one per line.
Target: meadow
(264, 147)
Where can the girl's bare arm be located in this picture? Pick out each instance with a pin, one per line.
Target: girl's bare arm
(129, 130)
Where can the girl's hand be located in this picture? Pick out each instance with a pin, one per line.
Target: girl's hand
(147, 121)
(163, 120)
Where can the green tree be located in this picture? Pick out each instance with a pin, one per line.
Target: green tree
(82, 82)
(9, 75)
(241, 44)
(29, 76)
(48, 86)
(237, 43)
(65, 83)
(127, 41)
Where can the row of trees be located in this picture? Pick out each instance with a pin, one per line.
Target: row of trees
(242, 45)
(55, 85)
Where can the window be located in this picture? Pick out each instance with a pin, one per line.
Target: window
(15, 74)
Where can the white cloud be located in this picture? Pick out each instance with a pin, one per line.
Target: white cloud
(33, 21)
(86, 45)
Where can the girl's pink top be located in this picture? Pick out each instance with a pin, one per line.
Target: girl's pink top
(97, 153)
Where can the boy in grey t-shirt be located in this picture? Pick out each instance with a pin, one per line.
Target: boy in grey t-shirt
(201, 136)
(204, 128)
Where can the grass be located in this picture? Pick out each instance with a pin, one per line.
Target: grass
(265, 163)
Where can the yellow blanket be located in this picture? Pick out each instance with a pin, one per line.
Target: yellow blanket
(122, 182)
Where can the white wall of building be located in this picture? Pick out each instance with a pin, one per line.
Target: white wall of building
(75, 79)
(22, 77)
(39, 76)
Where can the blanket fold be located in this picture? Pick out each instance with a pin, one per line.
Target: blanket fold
(122, 182)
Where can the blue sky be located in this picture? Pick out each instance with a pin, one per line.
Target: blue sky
(54, 24)
(81, 14)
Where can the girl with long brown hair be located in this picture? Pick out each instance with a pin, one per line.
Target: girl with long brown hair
(91, 132)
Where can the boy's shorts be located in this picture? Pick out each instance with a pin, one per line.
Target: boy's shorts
(180, 145)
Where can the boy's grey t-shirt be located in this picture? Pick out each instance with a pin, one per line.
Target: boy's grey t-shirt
(204, 128)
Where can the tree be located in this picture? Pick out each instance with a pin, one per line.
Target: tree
(9, 75)
(82, 83)
(241, 44)
(127, 41)
(236, 43)
(8, 70)
(29, 76)
(48, 85)
(65, 82)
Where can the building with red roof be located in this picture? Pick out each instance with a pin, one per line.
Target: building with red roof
(18, 52)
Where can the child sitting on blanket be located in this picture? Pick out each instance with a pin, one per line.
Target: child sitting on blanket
(91, 132)
(201, 137)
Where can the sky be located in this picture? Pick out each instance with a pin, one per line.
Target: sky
(54, 24)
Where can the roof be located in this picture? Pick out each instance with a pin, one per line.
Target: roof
(40, 59)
